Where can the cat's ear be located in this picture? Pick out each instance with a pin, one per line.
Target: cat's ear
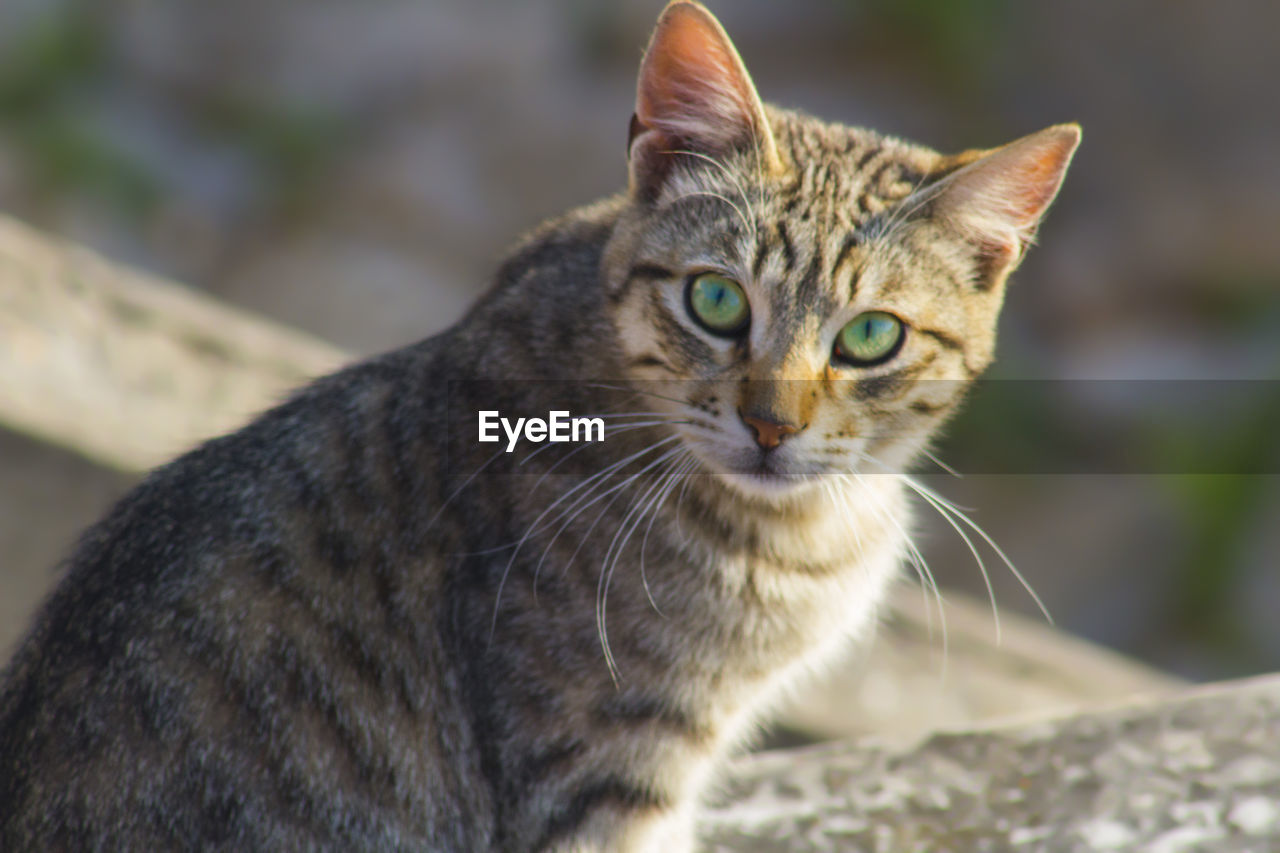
(996, 199)
(693, 95)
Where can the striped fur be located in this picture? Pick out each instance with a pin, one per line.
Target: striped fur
(351, 626)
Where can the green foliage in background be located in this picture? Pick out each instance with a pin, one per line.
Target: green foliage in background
(956, 40)
(62, 62)
(292, 146)
(1217, 458)
(1220, 511)
(47, 73)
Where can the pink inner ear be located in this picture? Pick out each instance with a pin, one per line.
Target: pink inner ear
(690, 86)
(1036, 181)
(999, 199)
(693, 89)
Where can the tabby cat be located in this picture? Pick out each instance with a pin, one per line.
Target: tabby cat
(353, 626)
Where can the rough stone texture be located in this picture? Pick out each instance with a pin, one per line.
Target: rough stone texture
(1198, 772)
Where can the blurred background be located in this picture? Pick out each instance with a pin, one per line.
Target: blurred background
(355, 169)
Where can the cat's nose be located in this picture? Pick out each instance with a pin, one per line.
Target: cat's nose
(769, 433)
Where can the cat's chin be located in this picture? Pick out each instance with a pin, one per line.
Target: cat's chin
(761, 479)
(768, 486)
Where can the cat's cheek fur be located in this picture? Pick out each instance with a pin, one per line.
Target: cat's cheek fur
(638, 341)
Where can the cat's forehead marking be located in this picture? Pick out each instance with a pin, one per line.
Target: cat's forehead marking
(850, 174)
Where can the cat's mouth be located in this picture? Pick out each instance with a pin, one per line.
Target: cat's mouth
(772, 475)
(768, 485)
(775, 479)
(767, 475)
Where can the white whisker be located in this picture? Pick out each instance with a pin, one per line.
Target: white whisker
(972, 525)
(591, 498)
(944, 466)
(712, 194)
(736, 180)
(533, 527)
(955, 516)
(634, 390)
(614, 552)
(681, 473)
(616, 430)
(436, 516)
(928, 583)
(604, 640)
(982, 566)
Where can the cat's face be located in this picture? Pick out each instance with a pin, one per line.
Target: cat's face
(810, 299)
(800, 300)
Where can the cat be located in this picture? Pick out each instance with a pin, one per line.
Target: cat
(353, 626)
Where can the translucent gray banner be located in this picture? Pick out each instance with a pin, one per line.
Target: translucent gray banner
(1013, 427)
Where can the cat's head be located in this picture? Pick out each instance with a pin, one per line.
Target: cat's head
(812, 298)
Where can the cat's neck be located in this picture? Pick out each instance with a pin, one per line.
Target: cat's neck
(823, 526)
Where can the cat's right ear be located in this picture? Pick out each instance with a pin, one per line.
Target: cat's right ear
(693, 95)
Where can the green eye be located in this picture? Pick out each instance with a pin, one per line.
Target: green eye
(869, 338)
(718, 303)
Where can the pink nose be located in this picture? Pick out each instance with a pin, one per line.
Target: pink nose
(769, 434)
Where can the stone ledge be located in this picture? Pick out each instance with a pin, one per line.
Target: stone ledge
(1197, 771)
(124, 368)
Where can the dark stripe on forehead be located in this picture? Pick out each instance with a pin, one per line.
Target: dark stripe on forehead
(788, 250)
(823, 182)
(865, 157)
(912, 176)
(852, 240)
(862, 204)
(809, 288)
(757, 263)
(726, 242)
(877, 178)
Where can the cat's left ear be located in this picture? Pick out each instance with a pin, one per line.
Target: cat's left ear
(996, 200)
(693, 96)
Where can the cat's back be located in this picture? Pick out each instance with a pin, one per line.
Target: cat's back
(247, 650)
(209, 666)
